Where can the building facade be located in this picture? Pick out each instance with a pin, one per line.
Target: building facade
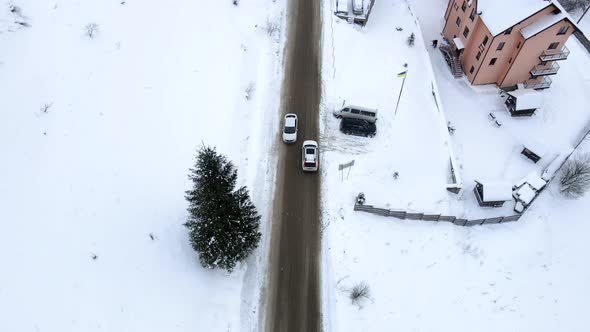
(507, 42)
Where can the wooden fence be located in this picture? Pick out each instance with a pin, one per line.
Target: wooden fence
(433, 217)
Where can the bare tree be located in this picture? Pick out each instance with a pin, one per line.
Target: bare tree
(359, 292)
(91, 29)
(573, 5)
(575, 177)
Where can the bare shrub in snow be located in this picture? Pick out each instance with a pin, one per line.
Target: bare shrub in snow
(271, 27)
(575, 177)
(235, 2)
(45, 107)
(91, 29)
(249, 91)
(359, 292)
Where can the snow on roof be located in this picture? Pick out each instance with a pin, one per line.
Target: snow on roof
(496, 191)
(525, 194)
(458, 43)
(535, 181)
(499, 15)
(536, 147)
(541, 24)
(527, 99)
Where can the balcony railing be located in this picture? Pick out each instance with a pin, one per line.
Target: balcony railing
(555, 55)
(537, 85)
(541, 70)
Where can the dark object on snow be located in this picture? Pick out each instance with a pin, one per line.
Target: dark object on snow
(351, 126)
(411, 39)
(93, 256)
(399, 28)
(360, 199)
(434, 43)
(235, 2)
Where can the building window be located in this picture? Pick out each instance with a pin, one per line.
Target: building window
(500, 46)
(466, 32)
(562, 30)
(464, 6)
(478, 56)
(518, 46)
(471, 70)
(510, 60)
(507, 32)
(485, 41)
(472, 15)
(493, 61)
(456, 6)
(553, 46)
(458, 21)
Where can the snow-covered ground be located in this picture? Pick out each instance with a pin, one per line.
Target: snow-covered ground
(525, 276)
(106, 166)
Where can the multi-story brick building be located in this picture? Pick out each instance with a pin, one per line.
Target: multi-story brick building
(508, 42)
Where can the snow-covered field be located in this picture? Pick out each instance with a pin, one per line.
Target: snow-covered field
(525, 276)
(105, 168)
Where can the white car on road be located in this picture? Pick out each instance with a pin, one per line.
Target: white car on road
(290, 128)
(310, 156)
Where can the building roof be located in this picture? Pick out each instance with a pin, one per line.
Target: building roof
(525, 194)
(541, 24)
(533, 180)
(496, 191)
(499, 15)
(527, 99)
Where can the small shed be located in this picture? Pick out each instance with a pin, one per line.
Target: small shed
(533, 150)
(533, 180)
(492, 194)
(523, 102)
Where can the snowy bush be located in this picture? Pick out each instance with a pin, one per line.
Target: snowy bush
(91, 30)
(573, 5)
(45, 107)
(575, 177)
(223, 223)
(411, 39)
(359, 292)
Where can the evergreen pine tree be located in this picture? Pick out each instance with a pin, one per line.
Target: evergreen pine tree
(223, 223)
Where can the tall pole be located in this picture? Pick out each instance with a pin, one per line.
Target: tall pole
(585, 11)
(400, 91)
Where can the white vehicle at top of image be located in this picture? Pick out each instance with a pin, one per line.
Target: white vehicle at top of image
(310, 156)
(290, 128)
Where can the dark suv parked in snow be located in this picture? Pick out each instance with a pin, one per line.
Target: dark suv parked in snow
(358, 127)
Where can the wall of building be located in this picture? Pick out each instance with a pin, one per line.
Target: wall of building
(532, 48)
(451, 30)
(518, 56)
